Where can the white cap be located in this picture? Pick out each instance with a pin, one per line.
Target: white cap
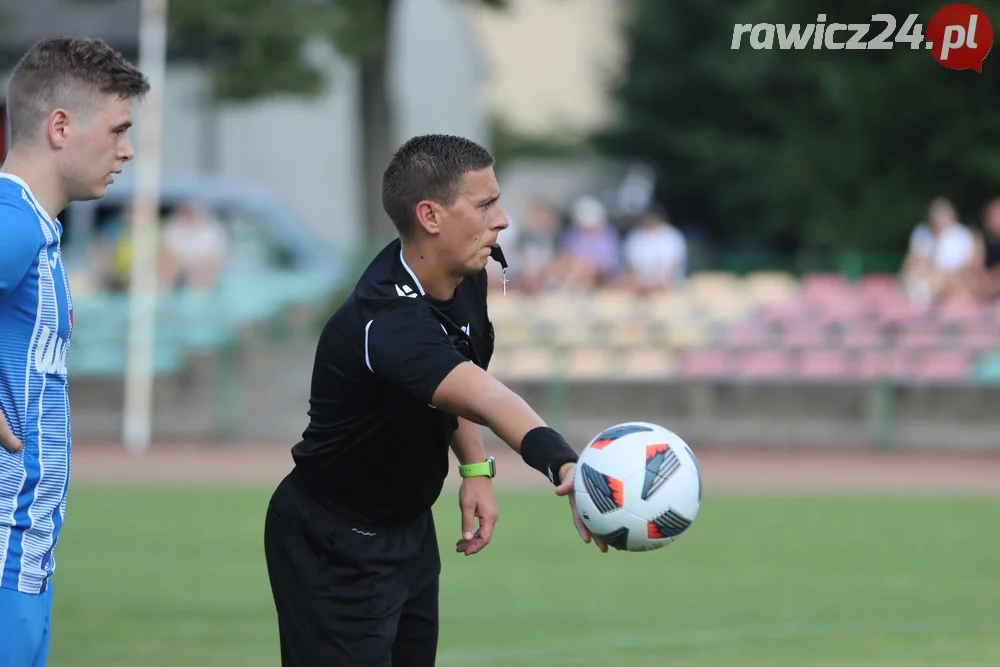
(589, 212)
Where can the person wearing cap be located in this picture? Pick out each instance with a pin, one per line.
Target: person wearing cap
(589, 253)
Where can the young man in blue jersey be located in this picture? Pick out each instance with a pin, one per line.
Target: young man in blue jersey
(69, 106)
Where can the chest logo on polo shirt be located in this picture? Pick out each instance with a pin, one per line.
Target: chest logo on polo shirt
(406, 291)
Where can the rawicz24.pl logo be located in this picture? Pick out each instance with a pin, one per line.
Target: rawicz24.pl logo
(959, 36)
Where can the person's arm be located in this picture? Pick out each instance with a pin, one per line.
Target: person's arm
(406, 346)
(467, 443)
(475, 497)
(20, 245)
(470, 392)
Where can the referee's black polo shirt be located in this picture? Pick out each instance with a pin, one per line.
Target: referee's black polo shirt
(374, 445)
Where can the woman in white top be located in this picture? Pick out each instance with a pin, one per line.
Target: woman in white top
(940, 251)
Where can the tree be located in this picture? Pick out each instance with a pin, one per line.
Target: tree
(256, 48)
(822, 149)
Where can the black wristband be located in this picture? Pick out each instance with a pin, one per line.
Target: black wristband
(546, 451)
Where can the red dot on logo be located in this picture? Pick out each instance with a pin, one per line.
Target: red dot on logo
(960, 36)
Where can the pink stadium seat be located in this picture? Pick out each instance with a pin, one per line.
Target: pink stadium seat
(746, 334)
(898, 311)
(861, 335)
(832, 364)
(845, 309)
(808, 334)
(944, 365)
(764, 365)
(704, 364)
(959, 313)
(825, 284)
(895, 364)
(879, 284)
(919, 336)
(779, 312)
(978, 340)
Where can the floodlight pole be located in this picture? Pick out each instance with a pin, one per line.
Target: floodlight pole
(137, 415)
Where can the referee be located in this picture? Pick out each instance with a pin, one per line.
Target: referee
(399, 378)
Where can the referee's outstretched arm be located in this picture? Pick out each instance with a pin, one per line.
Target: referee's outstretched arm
(470, 392)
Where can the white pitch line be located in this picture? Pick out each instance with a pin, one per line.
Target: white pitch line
(705, 637)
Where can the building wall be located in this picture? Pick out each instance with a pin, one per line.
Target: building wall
(551, 61)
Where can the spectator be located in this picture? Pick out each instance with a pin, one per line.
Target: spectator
(655, 253)
(194, 246)
(111, 250)
(983, 273)
(534, 248)
(590, 252)
(940, 252)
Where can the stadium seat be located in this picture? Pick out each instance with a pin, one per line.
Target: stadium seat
(705, 364)
(769, 286)
(646, 364)
(978, 340)
(612, 306)
(987, 368)
(821, 285)
(572, 333)
(588, 363)
(808, 334)
(879, 284)
(943, 366)
(764, 364)
(686, 336)
(831, 364)
(625, 335)
(512, 333)
(894, 364)
(861, 335)
(526, 363)
(747, 334)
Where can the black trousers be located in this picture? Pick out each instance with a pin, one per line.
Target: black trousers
(349, 594)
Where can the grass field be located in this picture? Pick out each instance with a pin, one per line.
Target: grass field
(165, 576)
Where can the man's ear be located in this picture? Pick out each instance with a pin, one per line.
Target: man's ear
(428, 215)
(57, 128)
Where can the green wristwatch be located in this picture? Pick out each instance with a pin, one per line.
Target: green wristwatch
(487, 468)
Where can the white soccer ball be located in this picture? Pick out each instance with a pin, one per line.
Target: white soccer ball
(637, 486)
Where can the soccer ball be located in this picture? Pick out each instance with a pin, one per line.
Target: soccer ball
(637, 486)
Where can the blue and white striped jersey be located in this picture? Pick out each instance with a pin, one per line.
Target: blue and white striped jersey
(36, 319)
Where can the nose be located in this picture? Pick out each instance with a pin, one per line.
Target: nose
(126, 151)
(502, 222)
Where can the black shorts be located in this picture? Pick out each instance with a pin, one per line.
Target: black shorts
(349, 594)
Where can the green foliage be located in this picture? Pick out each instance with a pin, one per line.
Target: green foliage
(509, 143)
(812, 148)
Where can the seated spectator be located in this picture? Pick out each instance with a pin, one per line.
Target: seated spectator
(589, 254)
(940, 251)
(535, 247)
(111, 250)
(194, 249)
(983, 273)
(529, 246)
(655, 253)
